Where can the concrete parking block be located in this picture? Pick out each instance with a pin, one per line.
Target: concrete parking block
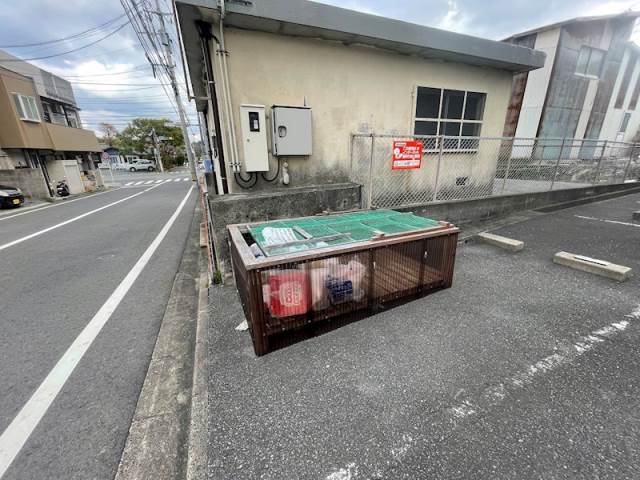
(603, 268)
(501, 242)
(636, 216)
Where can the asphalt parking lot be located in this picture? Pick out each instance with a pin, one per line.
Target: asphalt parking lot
(523, 369)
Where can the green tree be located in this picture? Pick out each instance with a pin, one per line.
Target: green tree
(137, 137)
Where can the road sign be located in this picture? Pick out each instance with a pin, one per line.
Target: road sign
(105, 156)
(407, 154)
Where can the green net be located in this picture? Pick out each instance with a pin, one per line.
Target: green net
(317, 232)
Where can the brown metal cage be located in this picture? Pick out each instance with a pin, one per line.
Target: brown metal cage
(291, 297)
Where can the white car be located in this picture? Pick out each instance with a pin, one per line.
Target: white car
(142, 165)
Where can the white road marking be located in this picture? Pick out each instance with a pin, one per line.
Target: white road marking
(608, 221)
(128, 183)
(148, 182)
(158, 181)
(138, 183)
(176, 179)
(61, 202)
(20, 429)
(495, 394)
(168, 180)
(186, 179)
(71, 220)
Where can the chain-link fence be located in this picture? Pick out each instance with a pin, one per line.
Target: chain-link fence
(456, 168)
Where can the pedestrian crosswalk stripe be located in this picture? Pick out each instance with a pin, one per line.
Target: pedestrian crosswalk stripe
(148, 182)
(138, 183)
(128, 183)
(186, 179)
(176, 179)
(167, 180)
(158, 181)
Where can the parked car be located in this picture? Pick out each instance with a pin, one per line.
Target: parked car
(10, 196)
(138, 165)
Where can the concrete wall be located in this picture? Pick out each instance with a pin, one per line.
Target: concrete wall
(292, 202)
(537, 85)
(471, 211)
(614, 116)
(66, 169)
(29, 180)
(350, 89)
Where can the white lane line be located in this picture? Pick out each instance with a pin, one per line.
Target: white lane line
(128, 183)
(71, 220)
(608, 221)
(61, 202)
(495, 395)
(19, 430)
(138, 183)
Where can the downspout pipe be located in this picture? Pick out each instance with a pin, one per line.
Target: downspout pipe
(204, 30)
(226, 91)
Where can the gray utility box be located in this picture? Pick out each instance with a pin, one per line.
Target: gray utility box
(291, 130)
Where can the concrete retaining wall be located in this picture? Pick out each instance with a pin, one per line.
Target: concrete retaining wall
(463, 212)
(285, 203)
(29, 180)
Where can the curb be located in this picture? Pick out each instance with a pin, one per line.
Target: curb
(156, 445)
(198, 425)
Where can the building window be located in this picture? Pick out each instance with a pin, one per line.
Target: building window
(626, 79)
(625, 122)
(27, 107)
(590, 62)
(452, 113)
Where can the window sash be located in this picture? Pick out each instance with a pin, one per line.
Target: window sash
(27, 107)
(453, 143)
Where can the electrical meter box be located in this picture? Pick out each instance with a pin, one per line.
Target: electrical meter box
(291, 130)
(254, 138)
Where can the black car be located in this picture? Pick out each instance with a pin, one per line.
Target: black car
(10, 196)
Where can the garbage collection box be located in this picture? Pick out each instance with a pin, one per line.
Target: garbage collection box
(303, 276)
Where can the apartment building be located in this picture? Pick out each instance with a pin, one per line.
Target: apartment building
(41, 136)
(589, 86)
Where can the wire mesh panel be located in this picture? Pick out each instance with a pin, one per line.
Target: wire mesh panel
(458, 168)
(292, 297)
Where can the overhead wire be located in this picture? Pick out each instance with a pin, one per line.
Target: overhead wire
(87, 32)
(110, 34)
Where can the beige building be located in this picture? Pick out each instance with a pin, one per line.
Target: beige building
(287, 83)
(41, 139)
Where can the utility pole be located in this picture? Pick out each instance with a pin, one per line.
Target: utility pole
(156, 149)
(171, 68)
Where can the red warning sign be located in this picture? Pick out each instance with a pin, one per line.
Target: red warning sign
(407, 154)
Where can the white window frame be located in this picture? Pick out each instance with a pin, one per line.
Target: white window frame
(28, 106)
(441, 120)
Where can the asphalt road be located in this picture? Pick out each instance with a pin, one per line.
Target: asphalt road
(53, 284)
(523, 369)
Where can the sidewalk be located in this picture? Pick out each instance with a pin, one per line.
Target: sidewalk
(523, 369)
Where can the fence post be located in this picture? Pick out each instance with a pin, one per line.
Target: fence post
(506, 173)
(437, 184)
(597, 174)
(626, 169)
(555, 171)
(370, 193)
(540, 163)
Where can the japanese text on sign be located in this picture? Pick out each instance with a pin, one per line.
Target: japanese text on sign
(407, 154)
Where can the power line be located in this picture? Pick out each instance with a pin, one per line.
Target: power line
(69, 51)
(71, 37)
